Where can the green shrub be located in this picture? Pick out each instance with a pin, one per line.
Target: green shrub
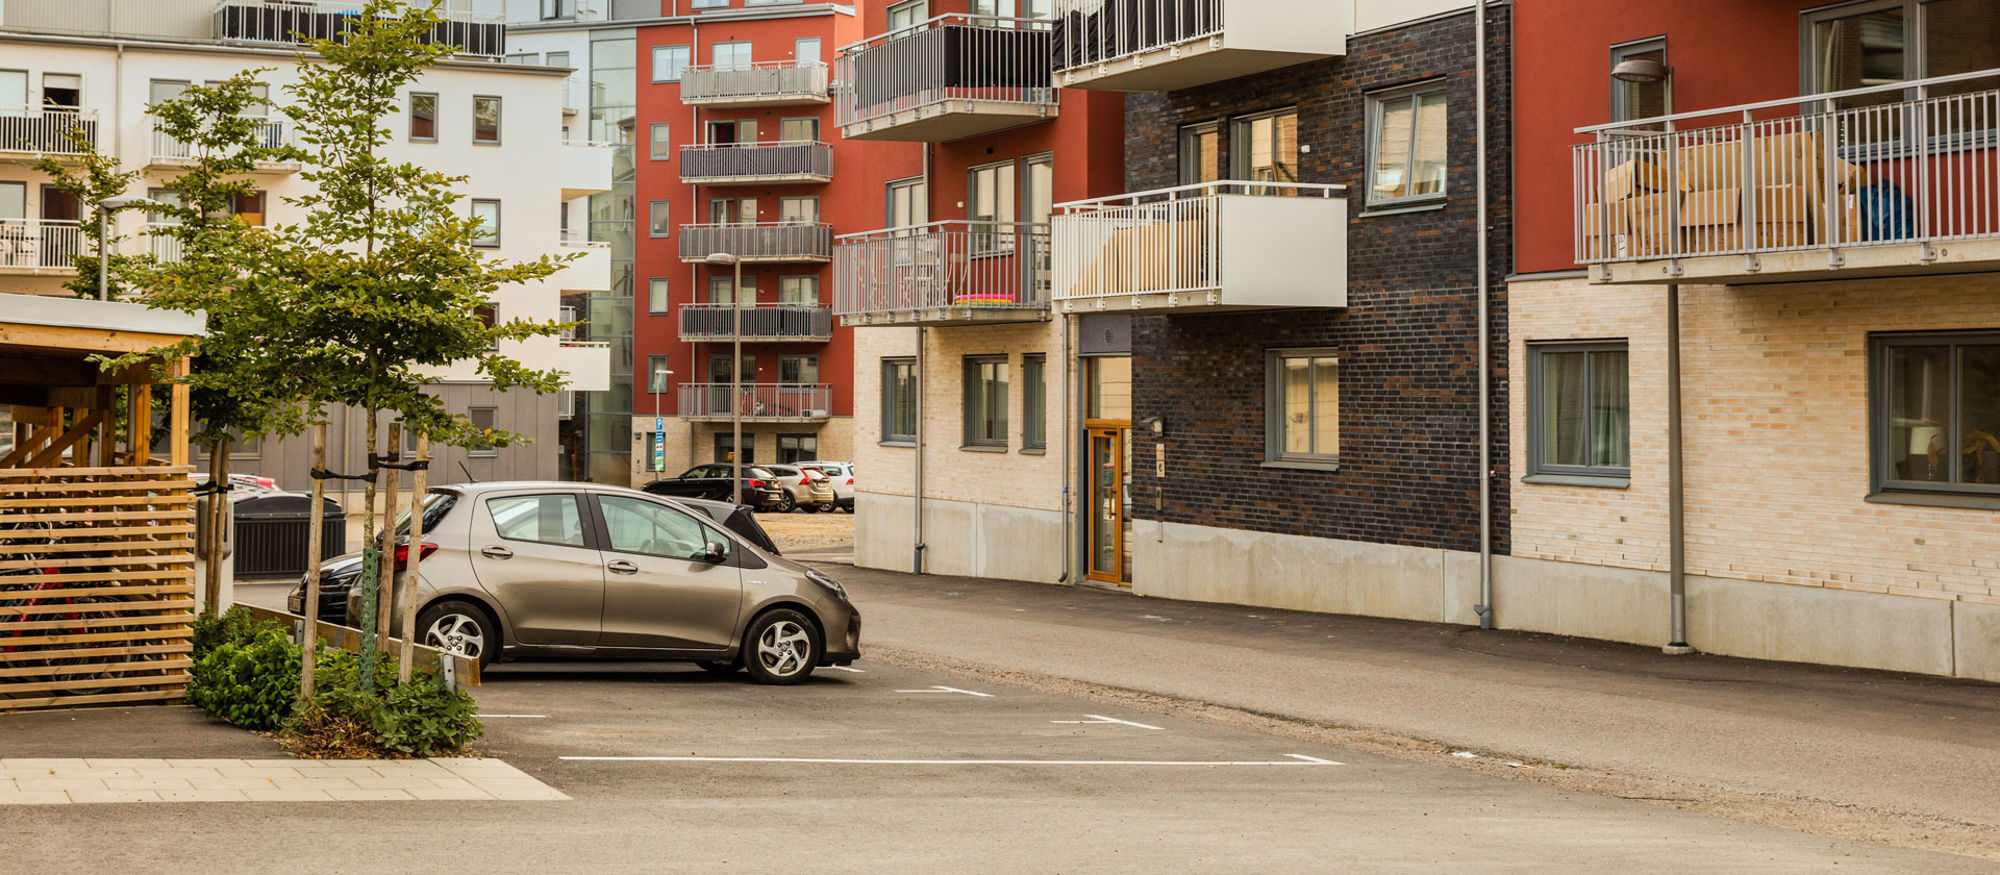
(234, 626)
(421, 718)
(252, 684)
(337, 668)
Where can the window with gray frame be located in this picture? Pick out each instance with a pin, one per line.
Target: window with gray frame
(486, 420)
(1034, 402)
(986, 401)
(1636, 100)
(669, 62)
(1265, 147)
(1935, 409)
(1406, 145)
(1201, 153)
(1302, 415)
(659, 374)
(905, 203)
(989, 195)
(659, 219)
(1855, 45)
(798, 369)
(657, 295)
(488, 214)
(899, 400)
(423, 118)
(486, 120)
(661, 141)
(795, 448)
(1579, 412)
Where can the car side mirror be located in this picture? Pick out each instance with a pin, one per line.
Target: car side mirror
(715, 553)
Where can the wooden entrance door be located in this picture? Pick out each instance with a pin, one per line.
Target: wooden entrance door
(1109, 529)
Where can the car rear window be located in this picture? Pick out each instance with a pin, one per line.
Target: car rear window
(437, 506)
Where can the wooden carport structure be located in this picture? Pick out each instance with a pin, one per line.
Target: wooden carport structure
(96, 517)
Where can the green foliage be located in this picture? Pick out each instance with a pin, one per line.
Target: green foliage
(236, 626)
(423, 717)
(252, 684)
(92, 176)
(338, 668)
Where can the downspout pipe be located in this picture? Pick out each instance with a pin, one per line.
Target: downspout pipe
(1065, 463)
(1676, 526)
(1485, 607)
(917, 549)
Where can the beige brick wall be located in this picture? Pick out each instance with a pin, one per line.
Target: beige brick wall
(1774, 379)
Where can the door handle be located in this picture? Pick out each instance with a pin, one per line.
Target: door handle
(497, 553)
(620, 566)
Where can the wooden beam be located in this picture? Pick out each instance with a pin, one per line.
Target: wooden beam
(24, 396)
(85, 396)
(35, 414)
(107, 431)
(30, 370)
(70, 438)
(65, 337)
(177, 419)
(139, 414)
(24, 449)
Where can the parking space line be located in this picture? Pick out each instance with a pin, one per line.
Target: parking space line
(1101, 720)
(1301, 760)
(519, 716)
(845, 669)
(943, 689)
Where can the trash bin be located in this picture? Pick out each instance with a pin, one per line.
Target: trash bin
(272, 534)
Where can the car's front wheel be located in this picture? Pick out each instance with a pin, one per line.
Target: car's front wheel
(459, 627)
(781, 647)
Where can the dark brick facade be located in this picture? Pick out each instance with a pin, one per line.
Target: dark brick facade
(1407, 339)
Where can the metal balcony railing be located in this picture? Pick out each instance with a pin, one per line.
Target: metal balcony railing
(1100, 31)
(764, 82)
(944, 271)
(45, 130)
(1858, 172)
(778, 161)
(574, 239)
(768, 242)
(40, 245)
(944, 63)
(171, 19)
(799, 402)
(298, 22)
(1164, 242)
(769, 322)
(271, 134)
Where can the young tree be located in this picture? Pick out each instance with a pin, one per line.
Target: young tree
(96, 177)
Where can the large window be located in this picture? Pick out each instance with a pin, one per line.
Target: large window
(795, 448)
(990, 201)
(798, 210)
(1936, 410)
(488, 214)
(1265, 147)
(718, 291)
(906, 203)
(1406, 145)
(423, 118)
(1034, 402)
(1856, 45)
(903, 15)
(669, 62)
(1302, 415)
(1201, 153)
(986, 401)
(486, 121)
(799, 291)
(731, 56)
(798, 369)
(1038, 188)
(804, 129)
(1579, 412)
(612, 90)
(899, 400)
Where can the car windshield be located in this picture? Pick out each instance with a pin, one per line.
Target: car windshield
(436, 506)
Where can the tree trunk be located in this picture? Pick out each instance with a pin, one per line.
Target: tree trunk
(371, 559)
(218, 507)
(406, 608)
(309, 644)
(386, 584)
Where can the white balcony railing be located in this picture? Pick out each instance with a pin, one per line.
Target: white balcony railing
(766, 242)
(951, 77)
(297, 22)
(944, 272)
(40, 245)
(1166, 45)
(1216, 245)
(1877, 178)
(165, 148)
(765, 83)
(766, 322)
(791, 402)
(586, 365)
(45, 130)
(747, 163)
(172, 19)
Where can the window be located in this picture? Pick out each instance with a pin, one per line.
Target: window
(1265, 147)
(1579, 410)
(1012, 8)
(798, 210)
(806, 51)
(903, 15)
(798, 369)
(486, 419)
(656, 295)
(635, 525)
(1108, 388)
(423, 118)
(1038, 188)
(659, 376)
(796, 448)
(1201, 153)
(907, 203)
(552, 9)
(160, 91)
(899, 400)
(730, 132)
(989, 198)
(63, 90)
(14, 200)
(1302, 410)
(556, 59)
(659, 219)
(613, 64)
(488, 234)
(669, 62)
(13, 88)
(725, 444)
(799, 130)
(718, 369)
(799, 291)
(546, 519)
(986, 401)
(733, 211)
(523, 58)
(661, 141)
(486, 120)
(718, 291)
(1857, 45)
(731, 56)
(1636, 100)
(1406, 145)
(1034, 402)
(1936, 409)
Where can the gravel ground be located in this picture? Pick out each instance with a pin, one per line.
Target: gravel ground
(799, 531)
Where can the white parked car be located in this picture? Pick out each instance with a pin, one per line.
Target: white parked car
(842, 475)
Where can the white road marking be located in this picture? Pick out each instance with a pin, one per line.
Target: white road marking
(521, 716)
(1101, 720)
(845, 669)
(1301, 760)
(949, 690)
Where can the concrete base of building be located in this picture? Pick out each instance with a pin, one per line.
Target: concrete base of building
(963, 538)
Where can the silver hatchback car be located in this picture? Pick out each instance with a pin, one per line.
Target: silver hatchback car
(578, 569)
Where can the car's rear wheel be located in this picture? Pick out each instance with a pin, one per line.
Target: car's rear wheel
(781, 647)
(786, 504)
(720, 666)
(460, 627)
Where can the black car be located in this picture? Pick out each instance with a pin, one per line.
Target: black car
(761, 488)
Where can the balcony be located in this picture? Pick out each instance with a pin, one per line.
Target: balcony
(299, 22)
(40, 246)
(586, 365)
(759, 243)
(1880, 181)
(168, 153)
(1167, 45)
(757, 402)
(944, 273)
(767, 83)
(1202, 248)
(591, 271)
(586, 168)
(771, 163)
(30, 132)
(803, 323)
(952, 77)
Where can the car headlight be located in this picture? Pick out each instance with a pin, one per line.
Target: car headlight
(814, 575)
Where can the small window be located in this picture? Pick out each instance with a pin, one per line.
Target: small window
(1637, 100)
(486, 120)
(1406, 145)
(1201, 153)
(804, 129)
(669, 62)
(806, 50)
(798, 369)
(659, 375)
(1936, 405)
(545, 519)
(986, 401)
(662, 141)
(798, 210)
(990, 206)
(659, 219)
(798, 291)
(1265, 148)
(488, 214)
(523, 58)
(906, 203)
(1034, 402)
(485, 419)
(1303, 405)
(796, 448)
(656, 295)
(1579, 410)
(899, 400)
(555, 9)
(718, 291)
(635, 525)
(903, 15)
(423, 118)
(731, 56)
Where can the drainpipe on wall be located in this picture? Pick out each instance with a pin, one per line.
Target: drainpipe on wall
(1485, 607)
(917, 550)
(1676, 531)
(1064, 464)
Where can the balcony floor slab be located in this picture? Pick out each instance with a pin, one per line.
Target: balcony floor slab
(1809, 265)
(761, 179)
(947, 316)
(948, 120)
(758, 100)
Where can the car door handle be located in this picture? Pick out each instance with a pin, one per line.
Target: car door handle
(497, 553)
(620, 566)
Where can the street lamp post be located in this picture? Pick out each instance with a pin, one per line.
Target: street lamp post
(721, 259)
(104, 210)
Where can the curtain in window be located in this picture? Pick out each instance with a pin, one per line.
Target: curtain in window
(1563, 405)
(1610, 411)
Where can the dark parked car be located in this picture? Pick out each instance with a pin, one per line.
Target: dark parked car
(760, 487)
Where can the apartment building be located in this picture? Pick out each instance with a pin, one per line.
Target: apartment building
(961, 362)
(1753, 388)
(97, 66)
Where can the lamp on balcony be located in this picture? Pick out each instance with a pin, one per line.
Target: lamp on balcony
(105, 208)
(724, 259)
(1646, 71)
